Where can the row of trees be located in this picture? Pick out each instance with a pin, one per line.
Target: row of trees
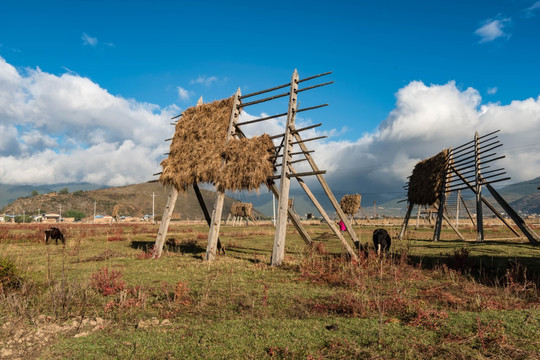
(61, 192)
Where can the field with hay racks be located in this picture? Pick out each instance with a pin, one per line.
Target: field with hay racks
(101, 296)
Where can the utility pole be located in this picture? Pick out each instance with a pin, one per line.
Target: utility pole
(153, 198)
(60, 213)
(94, 212)
(375, 212)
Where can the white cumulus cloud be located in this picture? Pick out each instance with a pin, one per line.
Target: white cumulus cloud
(426, 120)
(89, 40)
(68, 129)
(183, 94)
(204, 80)
(532, 9)
(493, 29)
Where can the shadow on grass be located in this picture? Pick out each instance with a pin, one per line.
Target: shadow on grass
(185, 247)
(489, 266)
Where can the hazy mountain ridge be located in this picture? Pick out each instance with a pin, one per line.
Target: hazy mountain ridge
(523, 196)
(10, 193)
(134, 200)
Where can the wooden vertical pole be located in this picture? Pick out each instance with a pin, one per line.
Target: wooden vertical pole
(478, 191)
(292, 216)
(438, 222)
(406, 221)
(418, 216)
(167, 213)
(487, 203)
(457, 208)
(278, 251)
(213, 234)
(164, 226)
(442, 201)
(274, 209)
(206, 213)
(452, 226)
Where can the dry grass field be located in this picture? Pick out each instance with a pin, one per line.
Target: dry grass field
(101, 296)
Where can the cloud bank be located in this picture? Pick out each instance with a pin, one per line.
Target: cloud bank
(426, 119)
(68, 129)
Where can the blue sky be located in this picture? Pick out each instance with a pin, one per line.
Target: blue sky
(146, 49)
(151, 59)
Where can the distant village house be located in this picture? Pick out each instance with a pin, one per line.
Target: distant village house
(51, 218)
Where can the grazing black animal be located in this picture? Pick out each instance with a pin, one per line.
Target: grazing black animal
(381, 241)
(55, 234)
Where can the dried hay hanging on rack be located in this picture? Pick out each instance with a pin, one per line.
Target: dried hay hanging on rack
(199, 146)
(427, 179)
(115, 210)
(242, 209)
(350, 203)
(248, 163)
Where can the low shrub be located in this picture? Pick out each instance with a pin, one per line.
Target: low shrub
(115, 238)
(10, 276)
(107, 282)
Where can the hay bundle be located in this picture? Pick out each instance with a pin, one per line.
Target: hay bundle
(427, 179)
(350, 203)
(248, 163)
(115, 210)
(198, 148)
(242, 209)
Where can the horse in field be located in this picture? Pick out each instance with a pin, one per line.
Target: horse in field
(54, 233)
(381, 241)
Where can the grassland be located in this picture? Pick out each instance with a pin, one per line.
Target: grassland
(100, 296)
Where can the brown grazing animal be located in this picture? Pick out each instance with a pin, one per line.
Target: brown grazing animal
(55, 234)
(381, 241)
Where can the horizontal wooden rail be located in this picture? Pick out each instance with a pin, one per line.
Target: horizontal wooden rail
(313, 77)
(264, 91)
(314, 86)
(309, 173)
(296, 131)
(239, 106)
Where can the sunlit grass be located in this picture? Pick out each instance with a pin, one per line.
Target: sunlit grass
(428, 299)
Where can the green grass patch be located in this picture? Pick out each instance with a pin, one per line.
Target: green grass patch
(447, 299)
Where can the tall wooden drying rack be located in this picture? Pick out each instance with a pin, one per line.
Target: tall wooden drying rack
(284, 150)
(467, 164)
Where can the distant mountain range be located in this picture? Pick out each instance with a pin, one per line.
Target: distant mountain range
(524, 197)
(9, 193)
(136, 200)
(133, 200)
